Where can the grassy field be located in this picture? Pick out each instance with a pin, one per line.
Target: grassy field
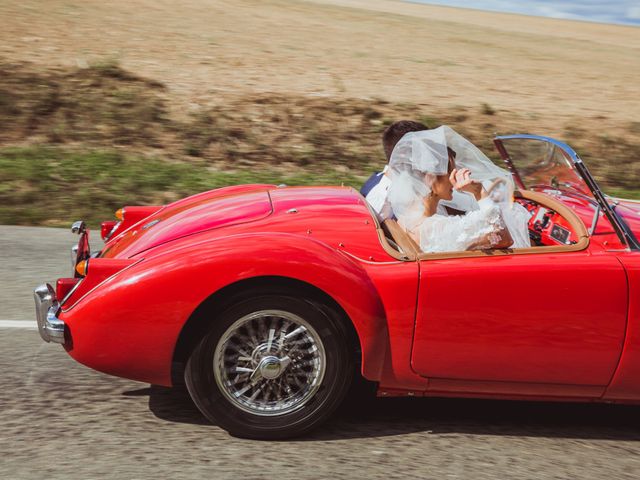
(98, 109)
(49, 186)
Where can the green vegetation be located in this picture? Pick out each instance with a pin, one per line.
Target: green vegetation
(52, 186)
(623, 193)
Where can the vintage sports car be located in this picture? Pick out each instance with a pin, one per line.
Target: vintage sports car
(266, 300)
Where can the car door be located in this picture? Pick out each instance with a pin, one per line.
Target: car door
(548, 318)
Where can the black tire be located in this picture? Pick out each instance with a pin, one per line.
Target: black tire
(211, 395)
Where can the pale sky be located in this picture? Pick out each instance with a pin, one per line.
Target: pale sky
(612, 11)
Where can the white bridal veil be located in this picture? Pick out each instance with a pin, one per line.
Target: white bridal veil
(425, 152)
(421, 156)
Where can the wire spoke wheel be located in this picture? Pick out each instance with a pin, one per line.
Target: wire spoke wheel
(269, 362)
(271, 365)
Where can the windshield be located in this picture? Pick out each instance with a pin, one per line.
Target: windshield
(542, 163)
(538, 165)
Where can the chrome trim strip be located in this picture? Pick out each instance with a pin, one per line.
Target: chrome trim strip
(51, 328)
(71, 292)
(110, 234)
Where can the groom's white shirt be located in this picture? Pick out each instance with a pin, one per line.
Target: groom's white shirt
(377, 196)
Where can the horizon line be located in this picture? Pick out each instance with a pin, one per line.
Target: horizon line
(629, 23)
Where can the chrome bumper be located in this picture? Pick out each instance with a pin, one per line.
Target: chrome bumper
(51, 328)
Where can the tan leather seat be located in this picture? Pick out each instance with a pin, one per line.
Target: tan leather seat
(402, 238)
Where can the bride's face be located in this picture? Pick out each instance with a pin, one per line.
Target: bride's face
(441, 186)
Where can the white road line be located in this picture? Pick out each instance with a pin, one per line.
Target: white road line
(28, 324)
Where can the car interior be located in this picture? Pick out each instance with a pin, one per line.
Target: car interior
(553, 227)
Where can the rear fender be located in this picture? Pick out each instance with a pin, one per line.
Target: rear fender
(130, 325)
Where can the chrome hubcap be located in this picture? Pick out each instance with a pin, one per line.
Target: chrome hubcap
(269, 362)
(270, 367)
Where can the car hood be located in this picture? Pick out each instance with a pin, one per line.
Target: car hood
(214, 209)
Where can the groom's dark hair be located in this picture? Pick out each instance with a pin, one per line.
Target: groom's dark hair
(394, 132)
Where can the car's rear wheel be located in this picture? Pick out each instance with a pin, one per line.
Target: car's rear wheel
(271, 367)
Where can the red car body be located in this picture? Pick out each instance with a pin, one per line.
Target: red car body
(559, 322)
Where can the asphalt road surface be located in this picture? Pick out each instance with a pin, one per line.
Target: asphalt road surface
(60, 420)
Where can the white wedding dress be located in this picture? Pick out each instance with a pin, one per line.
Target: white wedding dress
(440, 233)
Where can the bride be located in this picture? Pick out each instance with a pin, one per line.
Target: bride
(423, 172)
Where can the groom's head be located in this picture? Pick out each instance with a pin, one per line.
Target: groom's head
(394, 132)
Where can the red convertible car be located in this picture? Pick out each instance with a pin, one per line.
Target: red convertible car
(267, 300)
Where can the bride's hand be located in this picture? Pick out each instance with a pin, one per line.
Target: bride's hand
(462, 182)
(500, 238)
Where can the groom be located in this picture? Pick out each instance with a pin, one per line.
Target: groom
(376, 187)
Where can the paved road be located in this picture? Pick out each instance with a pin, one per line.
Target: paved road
(60, 420)
(30, 256)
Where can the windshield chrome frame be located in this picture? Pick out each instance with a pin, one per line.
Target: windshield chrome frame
(623, 231)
